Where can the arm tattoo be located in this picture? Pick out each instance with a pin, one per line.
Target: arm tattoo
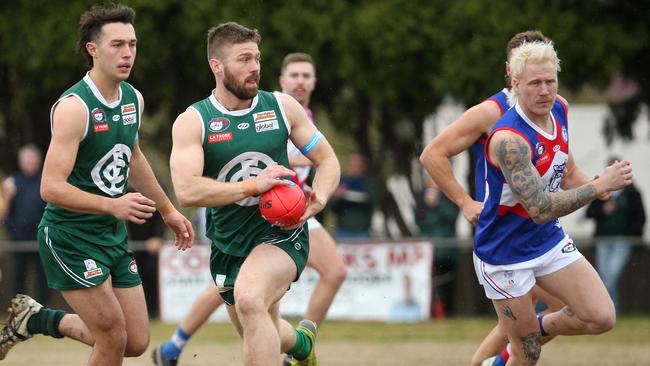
(513, 155)
(507, 311)
(532, 347)
(567, 310)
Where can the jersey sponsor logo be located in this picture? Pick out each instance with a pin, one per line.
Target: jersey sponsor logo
(98, 115)
(128, 119)
(93, 273)
(297, 246)
(133, 267)
(128, 108)
(565, 135)
(111, 171)
(102, 127)
(219, 124)
(245, 166)
(214, 138)
(116, 118)
(556, 148)
(264, 116)
(267, 126)
(243, 126)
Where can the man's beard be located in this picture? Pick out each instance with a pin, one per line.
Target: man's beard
(239, 91)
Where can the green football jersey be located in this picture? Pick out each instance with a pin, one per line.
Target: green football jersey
(102, 163)
(237, 145)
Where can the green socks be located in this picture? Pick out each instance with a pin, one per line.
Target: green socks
(301, 349)
(46, 322)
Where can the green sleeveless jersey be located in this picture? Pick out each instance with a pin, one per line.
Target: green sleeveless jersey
(102, 163)
(237, 145)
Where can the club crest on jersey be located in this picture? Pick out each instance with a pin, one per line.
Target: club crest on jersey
(565, 134)
(219, 124)
(245, 166)
(111, 171)
(541, 148)
(264, 116)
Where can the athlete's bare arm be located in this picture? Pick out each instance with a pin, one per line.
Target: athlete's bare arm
(297, 161)
(512, 154)
(328, 170)
(69, 123)
(454, 139)
(186, 162)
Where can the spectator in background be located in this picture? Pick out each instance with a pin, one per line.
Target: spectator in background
(354, 201)
(152, 233)
(435, 215)
(618, 218)
(21, 213)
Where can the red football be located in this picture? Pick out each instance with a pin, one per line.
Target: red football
(283, 205)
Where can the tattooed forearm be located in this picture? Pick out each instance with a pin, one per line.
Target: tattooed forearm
(525, 183)
(507, 311)
(532, 347)
(567, 310)
(565, 202)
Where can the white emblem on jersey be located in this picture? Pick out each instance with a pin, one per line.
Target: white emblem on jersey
(111, 171)
(245, 166)
(243, 126)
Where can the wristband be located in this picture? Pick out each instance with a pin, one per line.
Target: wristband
(167, 208)
(249, 187)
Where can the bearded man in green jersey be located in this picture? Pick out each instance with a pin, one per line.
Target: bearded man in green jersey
(229, 148)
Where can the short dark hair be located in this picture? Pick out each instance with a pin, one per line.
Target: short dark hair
(519, 39)
(297, 57)
(228, 34)
(92, 21)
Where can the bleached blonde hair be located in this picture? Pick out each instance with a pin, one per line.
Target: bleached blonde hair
(534, 52)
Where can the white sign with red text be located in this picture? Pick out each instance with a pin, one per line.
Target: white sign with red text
(385, 282)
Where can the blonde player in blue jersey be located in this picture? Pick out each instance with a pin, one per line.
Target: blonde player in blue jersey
(519, 241)
(470, 130)
(298, 79)
(93, 152)
(228, 149)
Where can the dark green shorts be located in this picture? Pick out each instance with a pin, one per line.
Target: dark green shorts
(225, 267)
(71, 263)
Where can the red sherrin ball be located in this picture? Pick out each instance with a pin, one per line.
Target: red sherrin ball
(283, 205)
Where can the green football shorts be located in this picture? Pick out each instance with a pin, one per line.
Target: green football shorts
(224, 267)
(72, 263)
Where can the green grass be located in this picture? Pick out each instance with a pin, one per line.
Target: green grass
(447, 342)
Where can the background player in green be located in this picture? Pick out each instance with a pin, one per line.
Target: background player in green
(82, 237)
(298, 79)
(229, 148)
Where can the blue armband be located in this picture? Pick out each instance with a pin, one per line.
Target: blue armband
(312, 143)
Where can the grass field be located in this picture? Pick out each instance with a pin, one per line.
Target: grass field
(449, 342)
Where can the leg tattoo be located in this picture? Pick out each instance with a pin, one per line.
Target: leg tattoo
(532, 347)
(507, 311)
